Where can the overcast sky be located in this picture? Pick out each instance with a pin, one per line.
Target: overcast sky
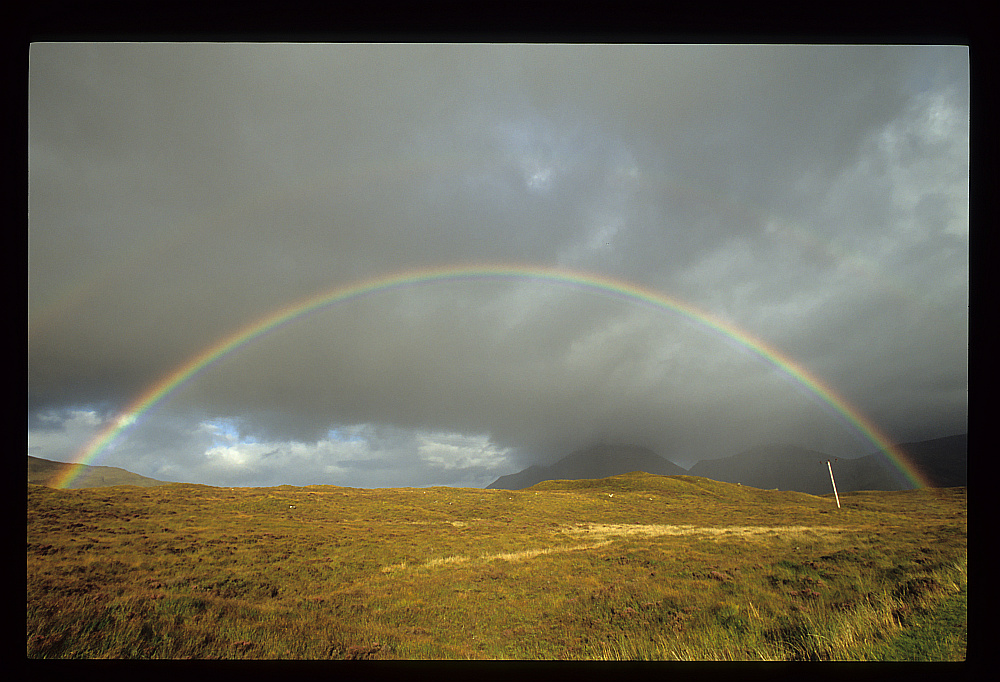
(814, 197)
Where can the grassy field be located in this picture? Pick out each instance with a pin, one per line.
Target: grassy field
(636, 567)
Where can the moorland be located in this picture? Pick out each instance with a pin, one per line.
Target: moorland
(635, 566)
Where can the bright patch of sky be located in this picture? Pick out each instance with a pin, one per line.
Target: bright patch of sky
(60, 434)
(455, 450)
(346, 434)
(349, 455)
(539, 153)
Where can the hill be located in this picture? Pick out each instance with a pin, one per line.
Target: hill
(44, 471)
(633, 567)
(599, 461)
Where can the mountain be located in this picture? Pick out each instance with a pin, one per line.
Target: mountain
(944, 461)
(790, 467)
(785, 467)
(599, 461)
(872, 472)
(43, 471)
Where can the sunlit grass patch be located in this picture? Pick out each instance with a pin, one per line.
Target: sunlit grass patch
(654, 530)
(444, 561)
(531, 553)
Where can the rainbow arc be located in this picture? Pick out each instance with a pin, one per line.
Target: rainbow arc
(594, 283)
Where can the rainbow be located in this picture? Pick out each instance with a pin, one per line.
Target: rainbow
(591, 282)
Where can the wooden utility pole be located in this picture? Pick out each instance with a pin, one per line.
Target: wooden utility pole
(830, 467)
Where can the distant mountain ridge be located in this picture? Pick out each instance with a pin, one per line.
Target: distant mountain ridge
(44, 472)
(598, 461)
(942, 461)
(791, 467)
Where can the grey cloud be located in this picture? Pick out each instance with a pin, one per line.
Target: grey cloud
(814, 197)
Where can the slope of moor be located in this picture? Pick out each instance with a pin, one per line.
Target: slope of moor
(636, 566)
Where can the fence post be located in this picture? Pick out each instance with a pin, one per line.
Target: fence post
(830, 467)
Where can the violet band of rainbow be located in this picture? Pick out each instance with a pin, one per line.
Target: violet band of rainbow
(599, 284)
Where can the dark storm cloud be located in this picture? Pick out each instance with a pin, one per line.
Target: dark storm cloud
(815, 197)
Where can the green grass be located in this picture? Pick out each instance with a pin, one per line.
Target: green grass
(630, 567)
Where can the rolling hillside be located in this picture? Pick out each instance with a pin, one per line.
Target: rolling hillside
(636, 566)
(943, 461)
(599, 461)
(44, 471)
